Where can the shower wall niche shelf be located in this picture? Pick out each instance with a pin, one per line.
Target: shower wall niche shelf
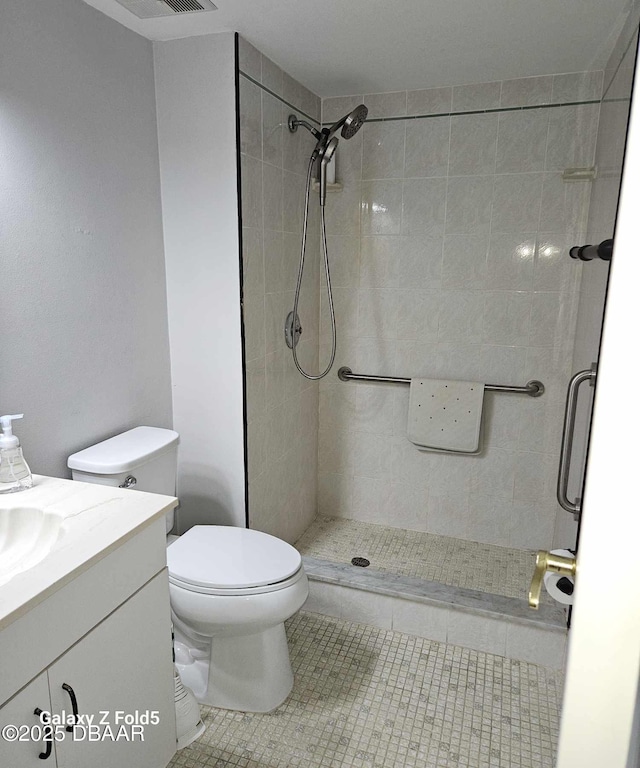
(337, 186)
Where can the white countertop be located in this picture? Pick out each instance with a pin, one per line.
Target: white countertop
(96, 519)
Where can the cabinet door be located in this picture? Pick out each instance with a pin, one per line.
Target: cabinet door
(122, 669)
(19, 712)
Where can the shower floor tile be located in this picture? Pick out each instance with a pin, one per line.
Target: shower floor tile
(371, 698)
(456, 562)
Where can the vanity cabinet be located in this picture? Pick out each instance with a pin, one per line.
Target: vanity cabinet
(116, 678)
(101, 647)
(117, 674)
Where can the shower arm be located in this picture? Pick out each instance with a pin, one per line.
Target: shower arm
(294, 123)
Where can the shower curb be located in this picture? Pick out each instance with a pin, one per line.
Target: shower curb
(549, 616)
(504, 626)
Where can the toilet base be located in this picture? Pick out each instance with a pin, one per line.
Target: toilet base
(249, 673)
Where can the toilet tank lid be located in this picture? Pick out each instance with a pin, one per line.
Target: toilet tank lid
(123, 452)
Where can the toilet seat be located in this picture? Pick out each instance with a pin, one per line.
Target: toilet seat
(300, 574)
(215, 559)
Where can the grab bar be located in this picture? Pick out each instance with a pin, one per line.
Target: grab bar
(567, 440)
(533, 388)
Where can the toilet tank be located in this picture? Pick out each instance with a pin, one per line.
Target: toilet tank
(147, 454)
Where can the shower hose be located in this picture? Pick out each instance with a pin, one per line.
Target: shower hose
(323, 232)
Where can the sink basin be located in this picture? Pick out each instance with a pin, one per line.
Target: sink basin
(27, 535)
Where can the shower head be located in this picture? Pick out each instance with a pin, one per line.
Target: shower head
(350, 123)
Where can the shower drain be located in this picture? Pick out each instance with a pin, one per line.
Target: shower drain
(361, 561)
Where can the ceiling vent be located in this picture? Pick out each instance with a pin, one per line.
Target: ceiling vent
(151, 9)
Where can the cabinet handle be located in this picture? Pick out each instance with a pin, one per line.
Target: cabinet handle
(48, 742)
(74, 704)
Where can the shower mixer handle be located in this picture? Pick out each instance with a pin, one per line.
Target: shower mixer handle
(292, 330)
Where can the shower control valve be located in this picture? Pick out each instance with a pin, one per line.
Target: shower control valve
(292, 330)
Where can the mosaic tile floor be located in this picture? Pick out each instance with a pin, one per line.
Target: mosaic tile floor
(370, 698)
(458, 563)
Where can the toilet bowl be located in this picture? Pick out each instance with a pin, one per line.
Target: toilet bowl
(231, 591)
(231, 588)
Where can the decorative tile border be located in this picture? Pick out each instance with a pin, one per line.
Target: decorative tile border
(280, 98)
(425, 116)
(484, 111)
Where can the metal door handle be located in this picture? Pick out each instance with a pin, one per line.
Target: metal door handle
(545, 561)
(567, 440)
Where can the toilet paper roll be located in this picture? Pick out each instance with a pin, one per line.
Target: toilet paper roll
(560, 587)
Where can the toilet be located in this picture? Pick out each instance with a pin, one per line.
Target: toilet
(231, 588)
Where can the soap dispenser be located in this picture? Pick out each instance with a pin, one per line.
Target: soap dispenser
(15, 474)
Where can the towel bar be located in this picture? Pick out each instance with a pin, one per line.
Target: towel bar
(532, 388)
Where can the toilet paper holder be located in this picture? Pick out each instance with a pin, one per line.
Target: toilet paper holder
(546, 561)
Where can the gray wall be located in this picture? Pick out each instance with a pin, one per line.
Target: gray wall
(84, 346)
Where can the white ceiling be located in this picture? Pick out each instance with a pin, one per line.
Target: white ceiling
(338, 47)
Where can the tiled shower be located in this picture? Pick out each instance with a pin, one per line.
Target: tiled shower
(454, 265)
(282, 407)
(448, 238)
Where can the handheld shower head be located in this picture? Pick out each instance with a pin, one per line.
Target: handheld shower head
(326, 145)
(325, 159)
(329, 150)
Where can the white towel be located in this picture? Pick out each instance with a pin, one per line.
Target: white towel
(445, 415)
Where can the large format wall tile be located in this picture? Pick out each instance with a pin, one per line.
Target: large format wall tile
(282, 406)
(449, 249)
